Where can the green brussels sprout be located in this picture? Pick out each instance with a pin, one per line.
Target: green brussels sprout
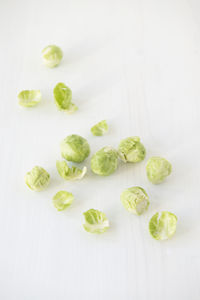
(105, 161)
(100, 128)
(63, 97)
(52, 56)
(29, 98)
(131, 150)
(37, 179)
(157, 169)
(75, 148)
(62, 200)
(135, 200)
(68, 173)
(95, 221)
(162, 225)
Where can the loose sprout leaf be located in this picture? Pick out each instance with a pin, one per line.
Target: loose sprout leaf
(95, 221)
(162, 225)
(62, 200)
(29, 98)
(52, 56)
(68, 173)
(135, 200)
(75, 148)
(62, 96)
(72, 108)
(37, 179)
(131, 150)
(100, 128)
(105, 161)
(158, 169)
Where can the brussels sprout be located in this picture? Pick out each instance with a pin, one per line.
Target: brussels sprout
(105, 161)
(52, 56)
(135, 200)
(68, 173)
(63, 97)
(62, 200)
(162, 225)
(29, 98)
(75, 148)
(95, 221)
(157, 169)
(131, 150)
(100, 128)
(37, 179)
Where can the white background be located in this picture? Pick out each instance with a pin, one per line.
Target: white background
(137, 65)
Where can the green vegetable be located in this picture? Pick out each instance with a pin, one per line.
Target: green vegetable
(62, 200)
(68, 173)
(100, 128)
(135, 200)
(75, 148)
(105, 161)
(52, 56)
(95, 221)
(131, 150)
(37, 179)
(63, 97)
(158, 169)
(162, 225)
(29, 98)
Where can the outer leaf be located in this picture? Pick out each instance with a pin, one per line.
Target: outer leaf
(68, 173)
(95, 221)
(29, 98)
(62, 96)
(100, 128)
(62, 200)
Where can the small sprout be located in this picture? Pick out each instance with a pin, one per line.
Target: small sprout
(100, 128)
(131, 150)
(62, 200)
(158, 169)
(95, 221)
(75, 148)
(29, 98)
(105, 161)
(63, 98)
(37, 179)
(162, 225)
(52, 56)
(68, 173)
(135, 200)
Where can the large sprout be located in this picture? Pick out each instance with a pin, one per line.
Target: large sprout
(75, 148)
(135, 200)
(37, 179)
(52, 56)
(158, 169)
(105, 161)
(162, 225)
(131, 149)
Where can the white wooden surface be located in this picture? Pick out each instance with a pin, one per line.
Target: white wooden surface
(136, 64)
